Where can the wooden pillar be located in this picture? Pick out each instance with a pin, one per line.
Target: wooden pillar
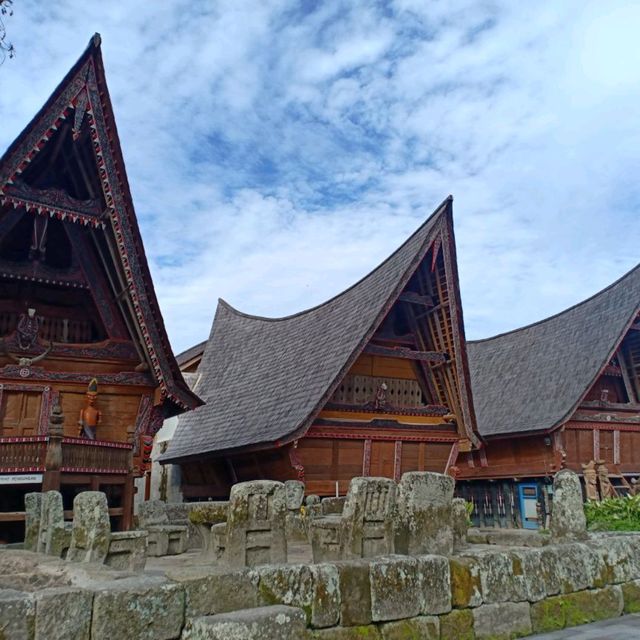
(127, 503)
(616, 447)
(366, 458)
(53, 456)
(397, 460)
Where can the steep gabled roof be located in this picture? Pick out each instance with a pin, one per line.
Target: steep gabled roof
(84, 93)
(190, 355)
(264, 380)
(534, 378)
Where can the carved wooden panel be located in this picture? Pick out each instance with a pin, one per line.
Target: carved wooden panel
(606, 446)
(118, 414)
(382, 458)
(357, 389)
(20, 413)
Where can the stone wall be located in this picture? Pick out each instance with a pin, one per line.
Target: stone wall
(482, 593)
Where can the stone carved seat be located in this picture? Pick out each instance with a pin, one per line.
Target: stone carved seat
(32, 512)
(424, 522)
(365, 528)
(91, 532)
(254, 533)
(88, 538)
(45, 528)
(165, 539)
(294, 492)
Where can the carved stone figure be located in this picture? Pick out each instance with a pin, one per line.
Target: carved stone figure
(33, 509)
(591, 480)
(89, 415)
(424, 526)
(294, 491)
(460, 523)
(91, 533)
(568, 521)
(53, 536)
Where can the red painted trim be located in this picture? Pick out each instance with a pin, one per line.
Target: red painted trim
(50, 211)
(97, 443)
(602, 426)
(22, 439)
(92, 470)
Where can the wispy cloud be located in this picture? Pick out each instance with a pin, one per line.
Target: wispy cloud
(278, 151)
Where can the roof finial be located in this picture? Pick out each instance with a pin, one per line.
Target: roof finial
(97, 39)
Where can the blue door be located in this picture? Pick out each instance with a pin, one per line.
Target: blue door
(528, 494)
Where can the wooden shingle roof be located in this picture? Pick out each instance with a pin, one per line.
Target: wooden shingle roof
(264, 380)
(532, 379)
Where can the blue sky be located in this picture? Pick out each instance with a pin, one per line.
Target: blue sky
(277, 151)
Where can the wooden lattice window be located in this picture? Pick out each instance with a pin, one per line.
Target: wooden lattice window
(361, 389)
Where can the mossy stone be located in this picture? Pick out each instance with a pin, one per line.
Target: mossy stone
(208, 513)
(548, 615)
(368, 632)
(593, 605)
(420, 628)
(355, 606)
(457, 625)
(631, 596)
(466, 590)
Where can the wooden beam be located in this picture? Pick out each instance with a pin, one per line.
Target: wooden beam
(102, 297)
(413, 297)
(631, 392)
(408, 354)
(453, 456)
(12, 516)
(431, 394)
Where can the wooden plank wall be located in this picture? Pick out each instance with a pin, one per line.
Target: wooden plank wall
(619, 448)
(511, 457)
(119, 405)
(329, 460)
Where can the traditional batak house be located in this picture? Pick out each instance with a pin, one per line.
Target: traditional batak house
(80, 325)
(373, 382)
(561, 392)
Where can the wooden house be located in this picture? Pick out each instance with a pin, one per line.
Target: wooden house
(561, 392)
(373, 382)
(80, 325)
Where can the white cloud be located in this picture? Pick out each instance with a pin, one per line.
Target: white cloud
(278, 151)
